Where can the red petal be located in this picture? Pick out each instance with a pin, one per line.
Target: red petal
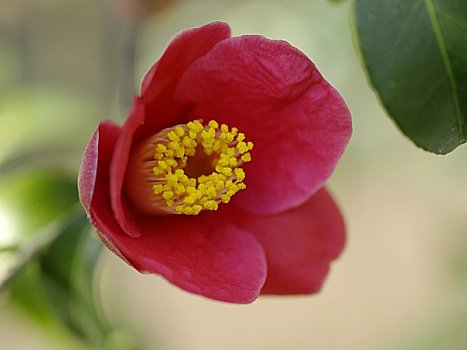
(220, 262)
(182, 51)
(98, 151)
(118, 169)
(272, 92)
(162, 79)
(157, 109)
(93, 178)
(213, 258)
(300, 244)
(203, 254)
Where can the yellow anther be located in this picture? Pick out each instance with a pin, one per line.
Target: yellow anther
(241, 137)
(242, 147)
(189, 142)
(179, 131)
(179, 189)
(190, 152)
(175, 146)
(246, 157)
(171, 162)
(225, 150)
(162, 165)
(172, 136)
(230, 152)
(196, 209)
(233, 162)
(239, 174)
(160, 148)
(224, 162)
(167, 195)
(213, 124)
(216, 146)
(211, 205)
(158, 189)
(157, 171)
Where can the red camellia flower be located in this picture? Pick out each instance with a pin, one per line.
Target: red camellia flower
(215, 179)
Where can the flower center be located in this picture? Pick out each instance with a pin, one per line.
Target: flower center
(188, 168)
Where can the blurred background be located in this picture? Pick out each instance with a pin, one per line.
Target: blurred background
(402, 280)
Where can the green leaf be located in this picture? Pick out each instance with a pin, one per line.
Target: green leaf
(415, 53)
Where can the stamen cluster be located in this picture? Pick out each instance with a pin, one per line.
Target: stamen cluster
(223, 147)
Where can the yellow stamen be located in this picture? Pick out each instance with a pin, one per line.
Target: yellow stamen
(195, 167)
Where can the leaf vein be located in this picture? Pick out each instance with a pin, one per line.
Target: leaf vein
(447, 63)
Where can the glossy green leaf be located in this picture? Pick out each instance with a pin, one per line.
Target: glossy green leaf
(415, 53)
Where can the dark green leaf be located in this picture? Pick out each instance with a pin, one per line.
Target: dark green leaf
(416, 56)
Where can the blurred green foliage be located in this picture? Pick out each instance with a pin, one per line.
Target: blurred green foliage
(53, 255)
(36, 198)
(55, 86)
(38, 128)
(446, 333)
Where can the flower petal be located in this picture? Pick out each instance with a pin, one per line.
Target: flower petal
(88, 171)
(156, 108)
(98, 150)
(274, 93)
(162, 79)
(224, 263)
(206, 255)
(93, 178)
(213, 258)
(300, 244)
(118, 168)
(183, 50)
